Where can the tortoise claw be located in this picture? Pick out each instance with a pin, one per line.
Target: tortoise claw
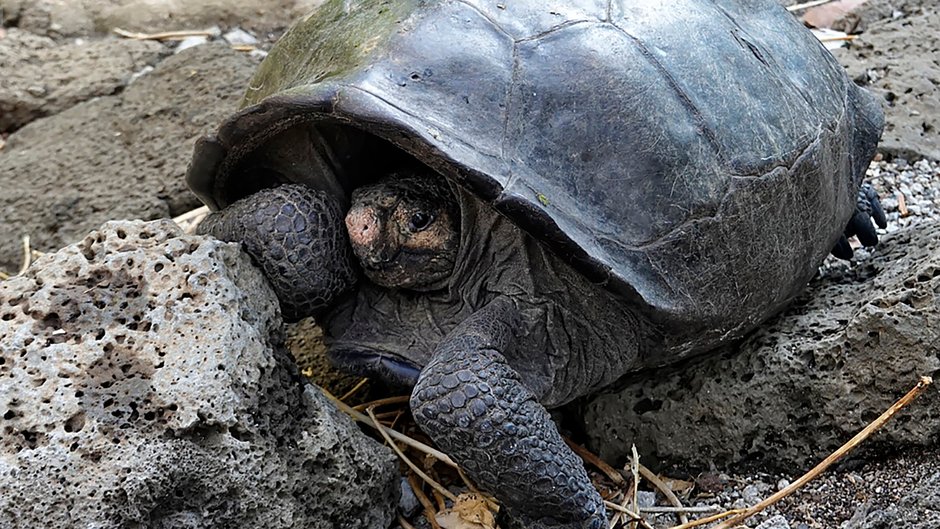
(867, 209)
(842, 249)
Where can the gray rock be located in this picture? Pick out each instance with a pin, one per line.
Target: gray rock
(42, 77)
(804, 383)
(774, 522)
(190, 42)
(84, 17)
(895, 59)
(144, 383)
(240, 37)
(121, 156)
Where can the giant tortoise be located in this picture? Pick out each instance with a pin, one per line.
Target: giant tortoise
(508, 205)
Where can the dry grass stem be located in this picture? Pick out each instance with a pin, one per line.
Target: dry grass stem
(404, 523)
(382, 402)
(401, 455)
(597, 462)
(189, 220)
(167, 35)
(807, 5)
(398, 436)
(859, 438)
(355, 388)
(837, 38)
(635, 470)
(618, 515)
(902, 204)
(425, 502)
(27, 256)
(709, 519)
(648, 475)
(634, 517)
(662, 509)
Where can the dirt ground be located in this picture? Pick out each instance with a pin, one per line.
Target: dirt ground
(94, 127)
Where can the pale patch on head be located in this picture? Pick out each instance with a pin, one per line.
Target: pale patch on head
(404, 230)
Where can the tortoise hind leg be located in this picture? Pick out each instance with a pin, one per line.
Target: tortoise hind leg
(867, 209)
(297, 236)
(475, 407)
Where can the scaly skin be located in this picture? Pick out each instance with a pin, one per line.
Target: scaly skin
(475, 407)
(297, 236)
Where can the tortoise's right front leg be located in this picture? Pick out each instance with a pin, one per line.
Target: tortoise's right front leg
(476, 408)
(297, 235)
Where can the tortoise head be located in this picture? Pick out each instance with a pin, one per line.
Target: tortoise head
(405, 230)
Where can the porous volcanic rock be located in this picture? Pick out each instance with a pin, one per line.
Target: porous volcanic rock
(144, 383)
(897, 60)
(42, 77)
(804, 383)
(115, 157)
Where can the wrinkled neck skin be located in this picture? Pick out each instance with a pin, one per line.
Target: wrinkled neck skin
(574, 338)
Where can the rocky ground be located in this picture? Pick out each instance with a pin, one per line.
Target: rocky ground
(95, 127)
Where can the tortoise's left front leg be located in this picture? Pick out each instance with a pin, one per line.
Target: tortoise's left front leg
(475, 407)
(297, 236)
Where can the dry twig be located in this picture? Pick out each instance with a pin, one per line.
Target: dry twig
(401, 455)
(807, 5)
(382, 402)
(423, 499)
(355, 388)
(635, 470)
(27, 256)
(404, 523)
(189, 220)
(634, 517)
(902, 204)
(648, 475)
(398, 436)
(167, 35)
(598, 463)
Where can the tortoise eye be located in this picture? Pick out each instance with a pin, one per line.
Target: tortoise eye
(420, 221)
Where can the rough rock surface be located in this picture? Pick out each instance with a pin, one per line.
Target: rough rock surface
(144, 383)
(803, 384)
(897, 60)
(41, 77)
(83, 17)
(121, 156)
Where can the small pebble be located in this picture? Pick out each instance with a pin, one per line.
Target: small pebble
(774, 522)
(190, 42)
(408, 503)
(646, 498)
(751, 494)
(240, 37)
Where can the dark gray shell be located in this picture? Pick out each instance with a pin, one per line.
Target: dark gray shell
(699, 157)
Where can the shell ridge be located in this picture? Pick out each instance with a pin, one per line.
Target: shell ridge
(510, 90)
(557, 27)
(761, 54)
(487, 17)
(684, 98)
(730, 189)
(451, 136)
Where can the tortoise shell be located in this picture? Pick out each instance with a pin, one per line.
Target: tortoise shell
(698, 158)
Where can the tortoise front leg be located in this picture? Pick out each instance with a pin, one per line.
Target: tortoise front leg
(297, 236)
(475, 407)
